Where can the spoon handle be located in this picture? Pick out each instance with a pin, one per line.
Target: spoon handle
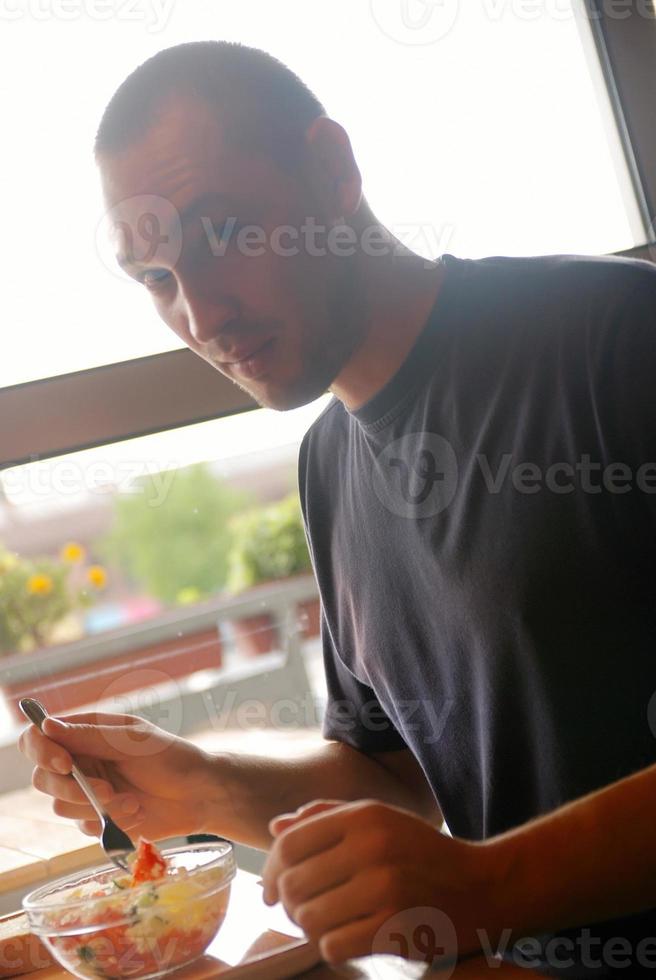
(37, 714)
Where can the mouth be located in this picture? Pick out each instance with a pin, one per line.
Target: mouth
(252, 363)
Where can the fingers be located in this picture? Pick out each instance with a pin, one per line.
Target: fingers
(69, 800)
(99, 718)
(91, 828)
(285, 820)
(352, 939)
(65, 788)
(318, 874)
(356, 899)
(313, 832)
(31, 739)
(43, 752)
(125, 811)
(109, 742)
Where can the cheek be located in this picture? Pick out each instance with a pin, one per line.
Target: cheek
(176, 321)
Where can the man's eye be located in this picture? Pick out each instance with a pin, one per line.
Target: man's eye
(153, 278)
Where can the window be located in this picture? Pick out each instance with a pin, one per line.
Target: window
(477, 132)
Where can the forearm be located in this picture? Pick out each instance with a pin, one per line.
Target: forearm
(590, 860)
(248, 791)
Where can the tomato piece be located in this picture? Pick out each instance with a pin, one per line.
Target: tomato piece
(149, 865)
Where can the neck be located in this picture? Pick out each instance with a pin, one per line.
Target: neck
(399, 290)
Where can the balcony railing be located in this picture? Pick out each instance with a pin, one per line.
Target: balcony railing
(207, 694)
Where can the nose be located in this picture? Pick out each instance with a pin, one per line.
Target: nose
(206, 315)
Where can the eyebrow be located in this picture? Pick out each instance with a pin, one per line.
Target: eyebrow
(203, 203)
(196, 208)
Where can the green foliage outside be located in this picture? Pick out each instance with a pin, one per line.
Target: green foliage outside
(177, 547)
(269, 543)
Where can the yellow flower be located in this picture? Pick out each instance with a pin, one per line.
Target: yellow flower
(39, 584)
(97, 576)
(187, 595)
(73, 553)
(7, 562)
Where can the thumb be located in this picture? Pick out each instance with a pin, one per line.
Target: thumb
(110, 742)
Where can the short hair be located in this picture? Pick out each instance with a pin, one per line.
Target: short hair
(261, 104)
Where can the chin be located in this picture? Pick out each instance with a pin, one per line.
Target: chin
(281, 401)
(286, 399)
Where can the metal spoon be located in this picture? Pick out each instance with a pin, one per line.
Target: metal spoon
(114, 841)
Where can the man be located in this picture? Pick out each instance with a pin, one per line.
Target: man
(478, 498)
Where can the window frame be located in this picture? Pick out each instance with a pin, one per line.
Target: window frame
(42, 419)
(623, 36)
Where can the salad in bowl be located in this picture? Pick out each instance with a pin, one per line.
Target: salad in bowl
(105, 923)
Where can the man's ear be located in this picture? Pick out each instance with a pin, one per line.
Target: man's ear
(332, 170)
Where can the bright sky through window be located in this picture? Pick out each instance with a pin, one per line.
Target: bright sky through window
(477, 133)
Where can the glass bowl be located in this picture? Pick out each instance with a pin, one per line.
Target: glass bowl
(97, 926)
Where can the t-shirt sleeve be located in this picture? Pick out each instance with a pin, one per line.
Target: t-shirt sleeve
(627, 390)
(353, 713)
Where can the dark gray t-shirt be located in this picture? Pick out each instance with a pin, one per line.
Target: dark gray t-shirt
(483, 532)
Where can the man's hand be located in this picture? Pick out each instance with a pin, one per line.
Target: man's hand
(157, 785)
(341, 870)
(151, 783)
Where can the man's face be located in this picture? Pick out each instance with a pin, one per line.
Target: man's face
(279, 325)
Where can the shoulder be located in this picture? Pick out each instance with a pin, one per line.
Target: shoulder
(324, 424)
(583, 276)
(559, 264)
(319, 438)
(569, 305)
